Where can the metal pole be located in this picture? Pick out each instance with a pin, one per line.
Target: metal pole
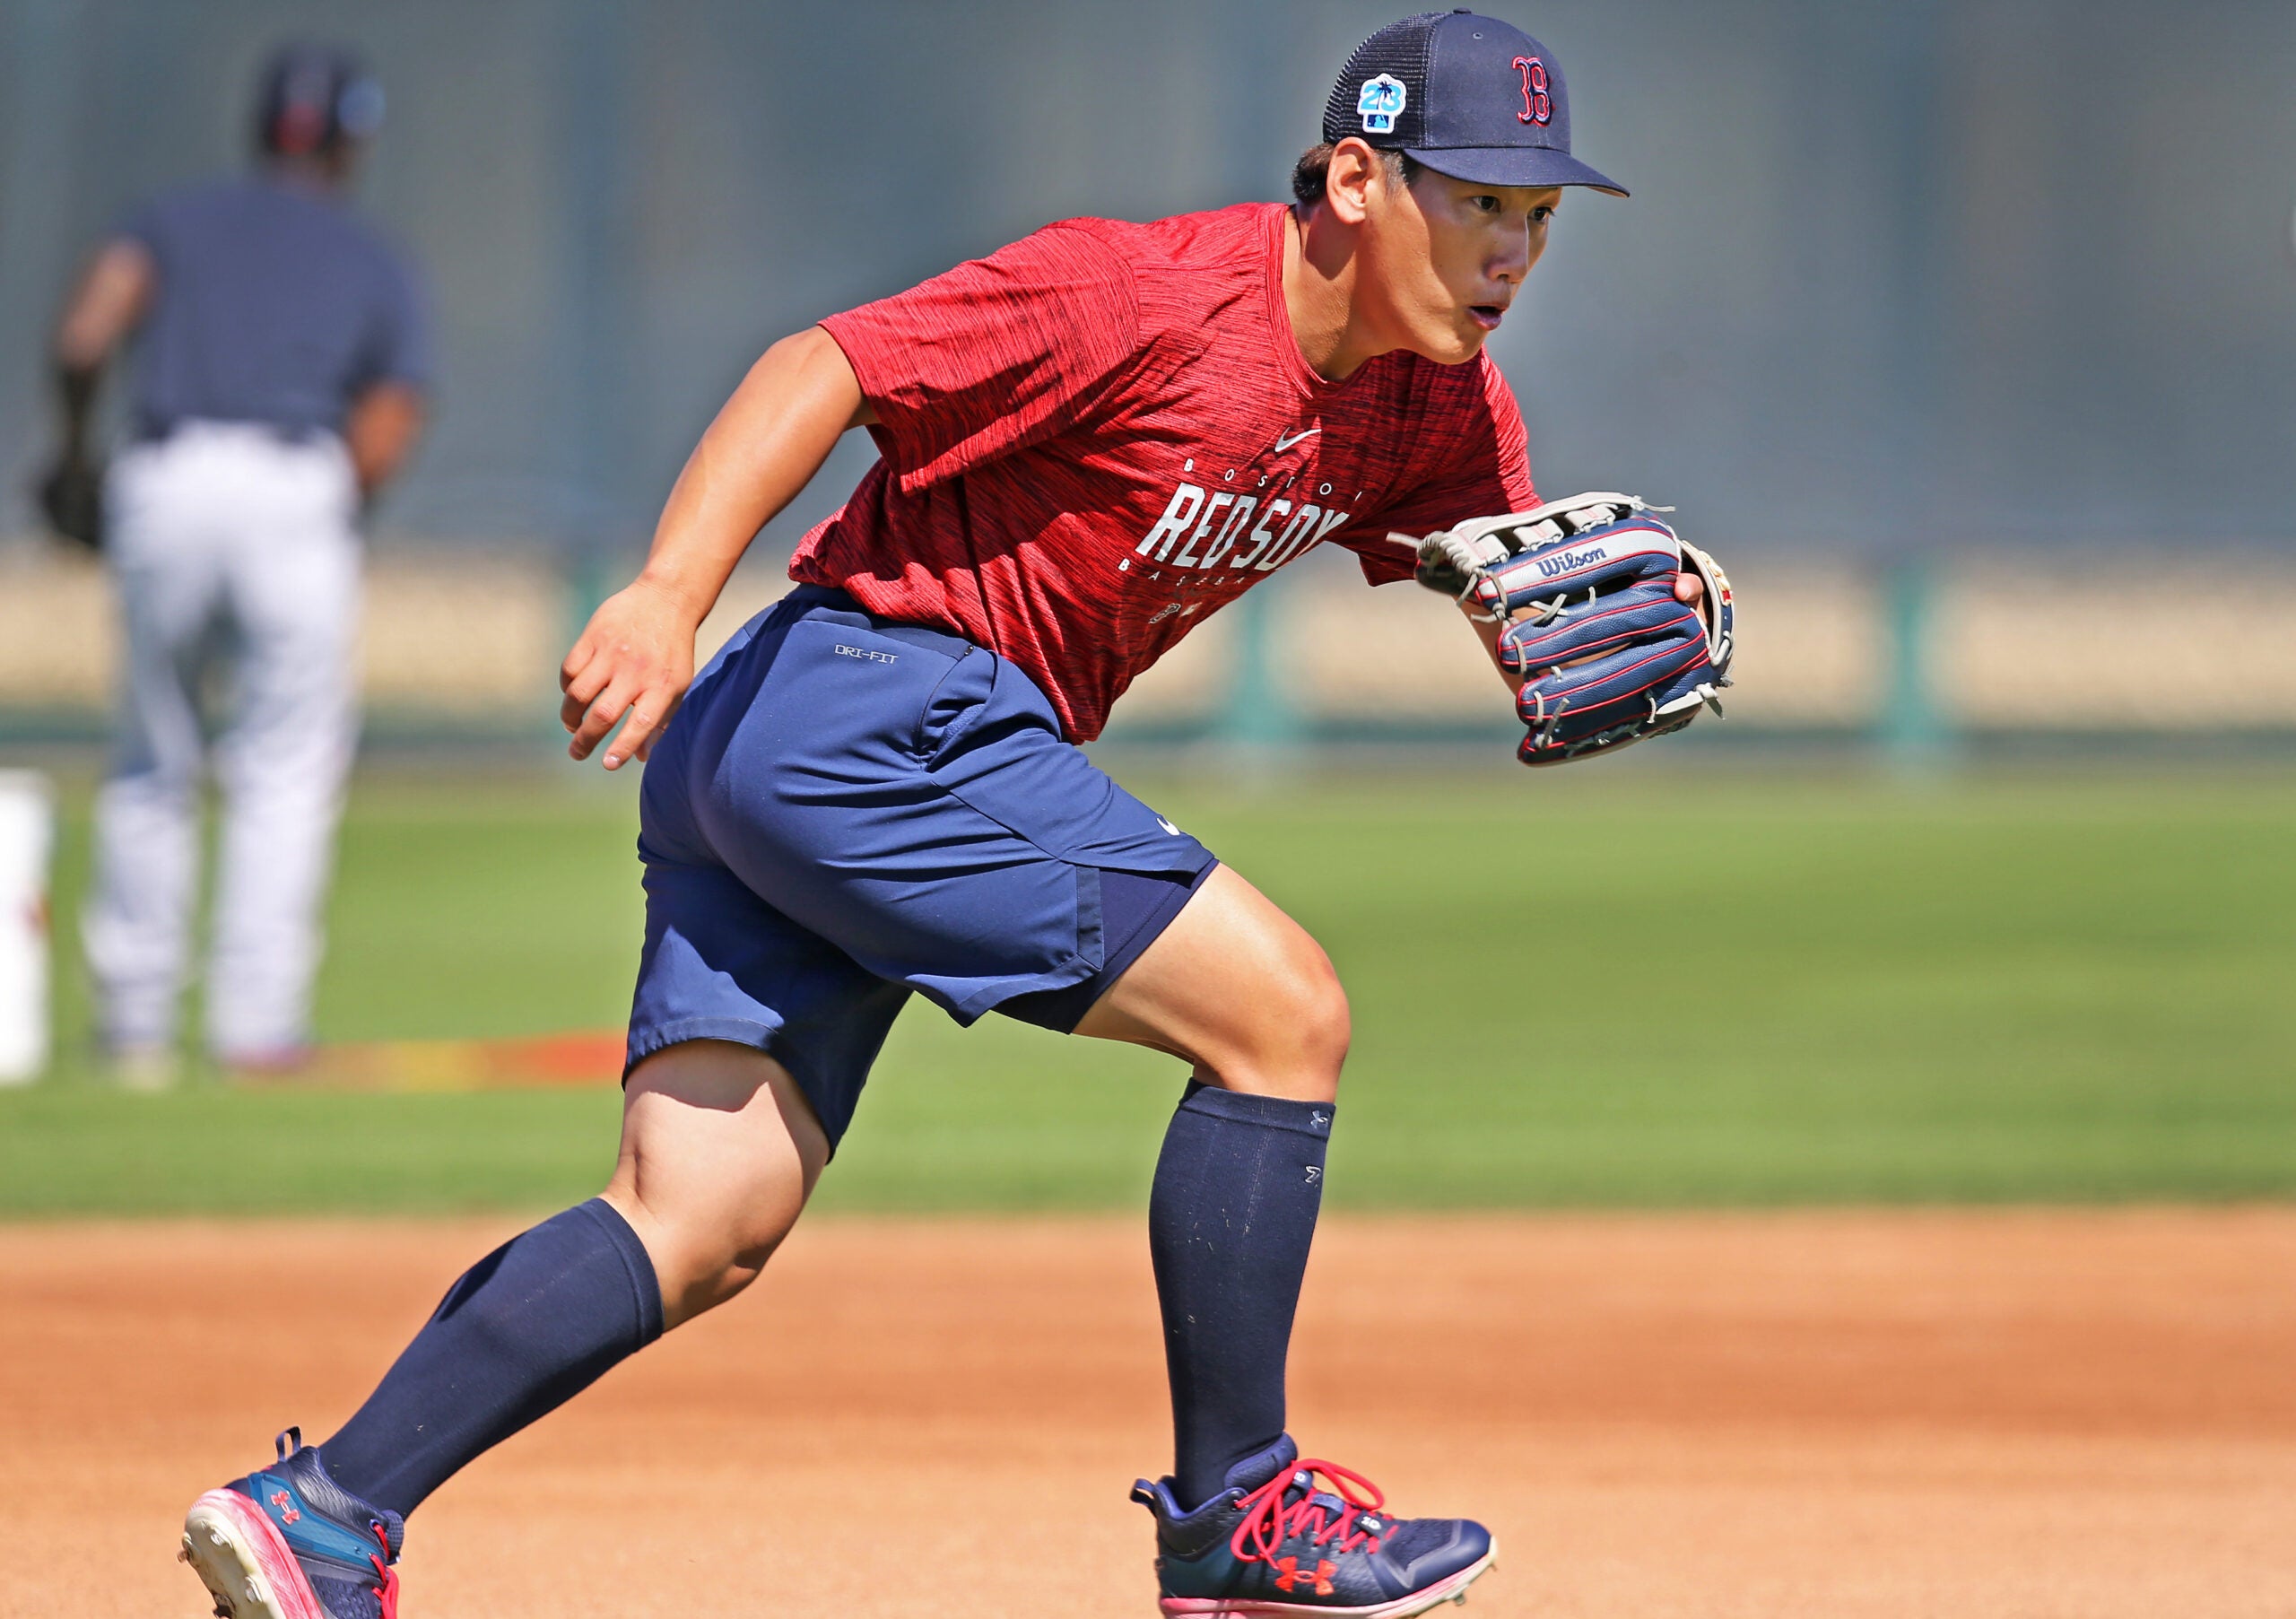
(594, 296)
(1909, 63)
(1258, 717)
(1915, 732)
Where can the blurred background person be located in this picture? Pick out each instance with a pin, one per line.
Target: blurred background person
(278, 383)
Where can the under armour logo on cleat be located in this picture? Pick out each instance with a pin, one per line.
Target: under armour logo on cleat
(1289, 1574)
(286, 1505)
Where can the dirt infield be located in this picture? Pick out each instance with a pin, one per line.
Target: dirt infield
(1961, 1414)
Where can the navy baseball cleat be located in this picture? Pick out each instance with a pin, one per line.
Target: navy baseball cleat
(287, 1542)
(1274, 1544)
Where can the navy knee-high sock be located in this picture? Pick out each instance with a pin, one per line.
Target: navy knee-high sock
(1238, 1188)
(526, 1329)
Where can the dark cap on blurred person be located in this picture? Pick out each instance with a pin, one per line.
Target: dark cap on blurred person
(1466, 95)
(313, 100)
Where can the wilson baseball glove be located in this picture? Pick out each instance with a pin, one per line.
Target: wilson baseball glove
(1586, 589)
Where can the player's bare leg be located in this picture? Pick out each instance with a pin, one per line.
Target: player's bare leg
(719, 1151)
(1241, 990)
(1244, 1525)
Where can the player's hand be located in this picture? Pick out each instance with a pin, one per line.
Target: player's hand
(72, 499)
(636, 659)
(1689, 589)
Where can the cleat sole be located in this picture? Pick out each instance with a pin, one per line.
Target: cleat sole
(242, 1560)
(1451, 1589)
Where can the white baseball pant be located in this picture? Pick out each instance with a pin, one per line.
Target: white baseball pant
(238, 563)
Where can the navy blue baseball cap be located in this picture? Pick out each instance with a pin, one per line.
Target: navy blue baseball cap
(315, 97)
(1467, 96)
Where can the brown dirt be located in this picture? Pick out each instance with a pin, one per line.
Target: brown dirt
(1837, 1416)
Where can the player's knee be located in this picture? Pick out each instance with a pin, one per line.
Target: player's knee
(709, 1237)
(743, 1239)
(728, 1266)
(1299, 1031)
(1324, 1029)
(719, 1151)
(704, 1256)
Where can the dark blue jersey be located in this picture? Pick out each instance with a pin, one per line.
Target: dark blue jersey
(274, 305)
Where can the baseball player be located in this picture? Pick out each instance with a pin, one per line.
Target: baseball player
(1090, 440)
(278, 384)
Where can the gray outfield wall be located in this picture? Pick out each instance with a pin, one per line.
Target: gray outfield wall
(1894, 275)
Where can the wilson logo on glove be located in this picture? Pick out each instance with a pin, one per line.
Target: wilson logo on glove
(1613, 655)
(1553, 565)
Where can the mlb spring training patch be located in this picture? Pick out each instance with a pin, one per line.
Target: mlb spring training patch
(1379, 102)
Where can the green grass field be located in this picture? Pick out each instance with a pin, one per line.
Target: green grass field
(1633, 987)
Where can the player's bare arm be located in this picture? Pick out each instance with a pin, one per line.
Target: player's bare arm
(107, 303)
(111, 296)
(379, 431)
(636, 655)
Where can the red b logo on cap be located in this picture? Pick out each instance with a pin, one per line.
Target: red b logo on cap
(1538, 108)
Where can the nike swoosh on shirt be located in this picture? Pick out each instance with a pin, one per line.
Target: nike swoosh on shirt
(1284, 444)
(1168, 826)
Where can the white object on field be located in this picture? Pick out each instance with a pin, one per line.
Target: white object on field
(27, 838)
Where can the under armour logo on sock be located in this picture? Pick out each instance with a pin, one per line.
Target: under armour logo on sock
(1318, 1119)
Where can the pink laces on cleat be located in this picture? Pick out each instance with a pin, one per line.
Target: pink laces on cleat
(289, 1441)
(387, 1591)
(1268, 1522)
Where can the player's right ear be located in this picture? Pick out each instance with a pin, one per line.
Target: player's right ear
(1355, 172)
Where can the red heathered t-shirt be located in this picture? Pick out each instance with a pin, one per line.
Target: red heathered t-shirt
(1097, 436)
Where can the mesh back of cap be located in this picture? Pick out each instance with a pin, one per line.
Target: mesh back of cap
(1400, 50)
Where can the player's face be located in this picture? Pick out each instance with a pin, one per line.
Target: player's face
(1449, 257)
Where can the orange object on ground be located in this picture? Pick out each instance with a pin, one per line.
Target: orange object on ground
(592, 1057)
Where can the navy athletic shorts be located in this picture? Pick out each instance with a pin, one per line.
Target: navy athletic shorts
(846, 809)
